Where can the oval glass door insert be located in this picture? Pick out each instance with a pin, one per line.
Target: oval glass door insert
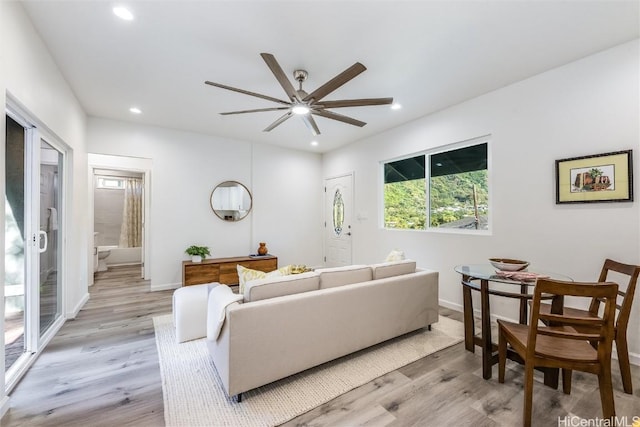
(338, 212)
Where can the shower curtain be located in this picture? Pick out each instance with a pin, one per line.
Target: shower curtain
(131, 230)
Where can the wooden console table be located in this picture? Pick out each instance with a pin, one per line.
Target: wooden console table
(224, 270)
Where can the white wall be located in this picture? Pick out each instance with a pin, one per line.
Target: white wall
(285, 185)
(32, 78)
(586, 107)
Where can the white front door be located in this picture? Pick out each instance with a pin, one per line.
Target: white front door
(338, 204)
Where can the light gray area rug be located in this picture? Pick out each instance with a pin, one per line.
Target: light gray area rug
(194, 396)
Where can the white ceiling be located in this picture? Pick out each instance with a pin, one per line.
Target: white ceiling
(428, 55)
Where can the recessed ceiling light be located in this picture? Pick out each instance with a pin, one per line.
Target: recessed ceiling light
(123, 13)
(396, 106)
(135, 110)
(314, 143)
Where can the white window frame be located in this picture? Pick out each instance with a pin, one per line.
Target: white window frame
(427, 153)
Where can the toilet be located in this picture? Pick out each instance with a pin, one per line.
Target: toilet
(103, 254)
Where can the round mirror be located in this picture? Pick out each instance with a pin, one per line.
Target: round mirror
(231, 201)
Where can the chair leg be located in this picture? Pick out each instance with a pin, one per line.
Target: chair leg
(528, 395)
(623, 359)
(566, 380)
(502, 355)
(606, 393)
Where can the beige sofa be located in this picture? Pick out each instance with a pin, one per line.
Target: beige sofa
(291, 323)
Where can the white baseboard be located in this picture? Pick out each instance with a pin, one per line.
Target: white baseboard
(634, 358)
(72, 314)
(164, 287)
(4, 405)
(451, 305)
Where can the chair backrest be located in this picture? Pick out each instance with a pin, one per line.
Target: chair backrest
(626, 293)
(600, 329)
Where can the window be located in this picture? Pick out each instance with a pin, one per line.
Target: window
(455, 195)
(110, 182)
(405, 194)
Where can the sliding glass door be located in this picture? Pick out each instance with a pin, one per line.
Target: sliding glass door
(49, 303)
(33, 243)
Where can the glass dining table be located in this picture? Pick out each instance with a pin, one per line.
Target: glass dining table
(484, 279)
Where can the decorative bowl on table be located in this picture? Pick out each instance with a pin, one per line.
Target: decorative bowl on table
(506, 264)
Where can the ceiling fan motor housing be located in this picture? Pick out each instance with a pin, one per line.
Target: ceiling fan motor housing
(300, 75)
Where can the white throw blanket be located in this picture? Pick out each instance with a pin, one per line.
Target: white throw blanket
(219, 298)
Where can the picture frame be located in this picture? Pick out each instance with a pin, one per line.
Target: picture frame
(606, 177)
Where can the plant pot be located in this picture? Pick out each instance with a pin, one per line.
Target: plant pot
(196, 258)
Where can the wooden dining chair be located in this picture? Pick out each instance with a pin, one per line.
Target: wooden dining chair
(623, 313)
(561, 345)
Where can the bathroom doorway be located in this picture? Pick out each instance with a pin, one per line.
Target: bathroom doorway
(117, 211)
(119, 200)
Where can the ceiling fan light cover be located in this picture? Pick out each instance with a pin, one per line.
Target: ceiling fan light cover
(300, 110)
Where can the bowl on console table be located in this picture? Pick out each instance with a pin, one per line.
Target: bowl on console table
(506, 264)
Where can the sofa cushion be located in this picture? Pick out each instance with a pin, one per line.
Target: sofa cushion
(246, 274)
(271, 287)
(339, 276)
(390, 269)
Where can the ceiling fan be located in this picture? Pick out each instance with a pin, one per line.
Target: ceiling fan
(307, 104)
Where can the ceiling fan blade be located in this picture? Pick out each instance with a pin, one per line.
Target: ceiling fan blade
(254, 111)
(280, 76)
(311, 124)
(355, 102)
(336, 82)
(338, 117)
(278, 122)
(246, 92)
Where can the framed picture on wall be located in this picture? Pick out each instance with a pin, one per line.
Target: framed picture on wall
(604, 177)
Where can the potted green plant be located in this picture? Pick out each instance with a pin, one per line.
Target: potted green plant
(198, 253)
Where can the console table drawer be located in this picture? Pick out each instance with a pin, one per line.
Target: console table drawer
(203, 273)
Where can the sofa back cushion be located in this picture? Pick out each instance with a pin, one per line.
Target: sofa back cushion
(272, 287)
(390, 269)
(339, 276)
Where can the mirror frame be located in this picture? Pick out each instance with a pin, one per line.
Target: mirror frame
(219, 212)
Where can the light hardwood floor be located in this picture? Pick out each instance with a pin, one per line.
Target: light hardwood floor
(102, 370)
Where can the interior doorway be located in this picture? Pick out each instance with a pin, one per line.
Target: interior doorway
(338, 196)
(118, 200)
(120, 209)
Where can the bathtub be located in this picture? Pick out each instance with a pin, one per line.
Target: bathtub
(122, 256)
